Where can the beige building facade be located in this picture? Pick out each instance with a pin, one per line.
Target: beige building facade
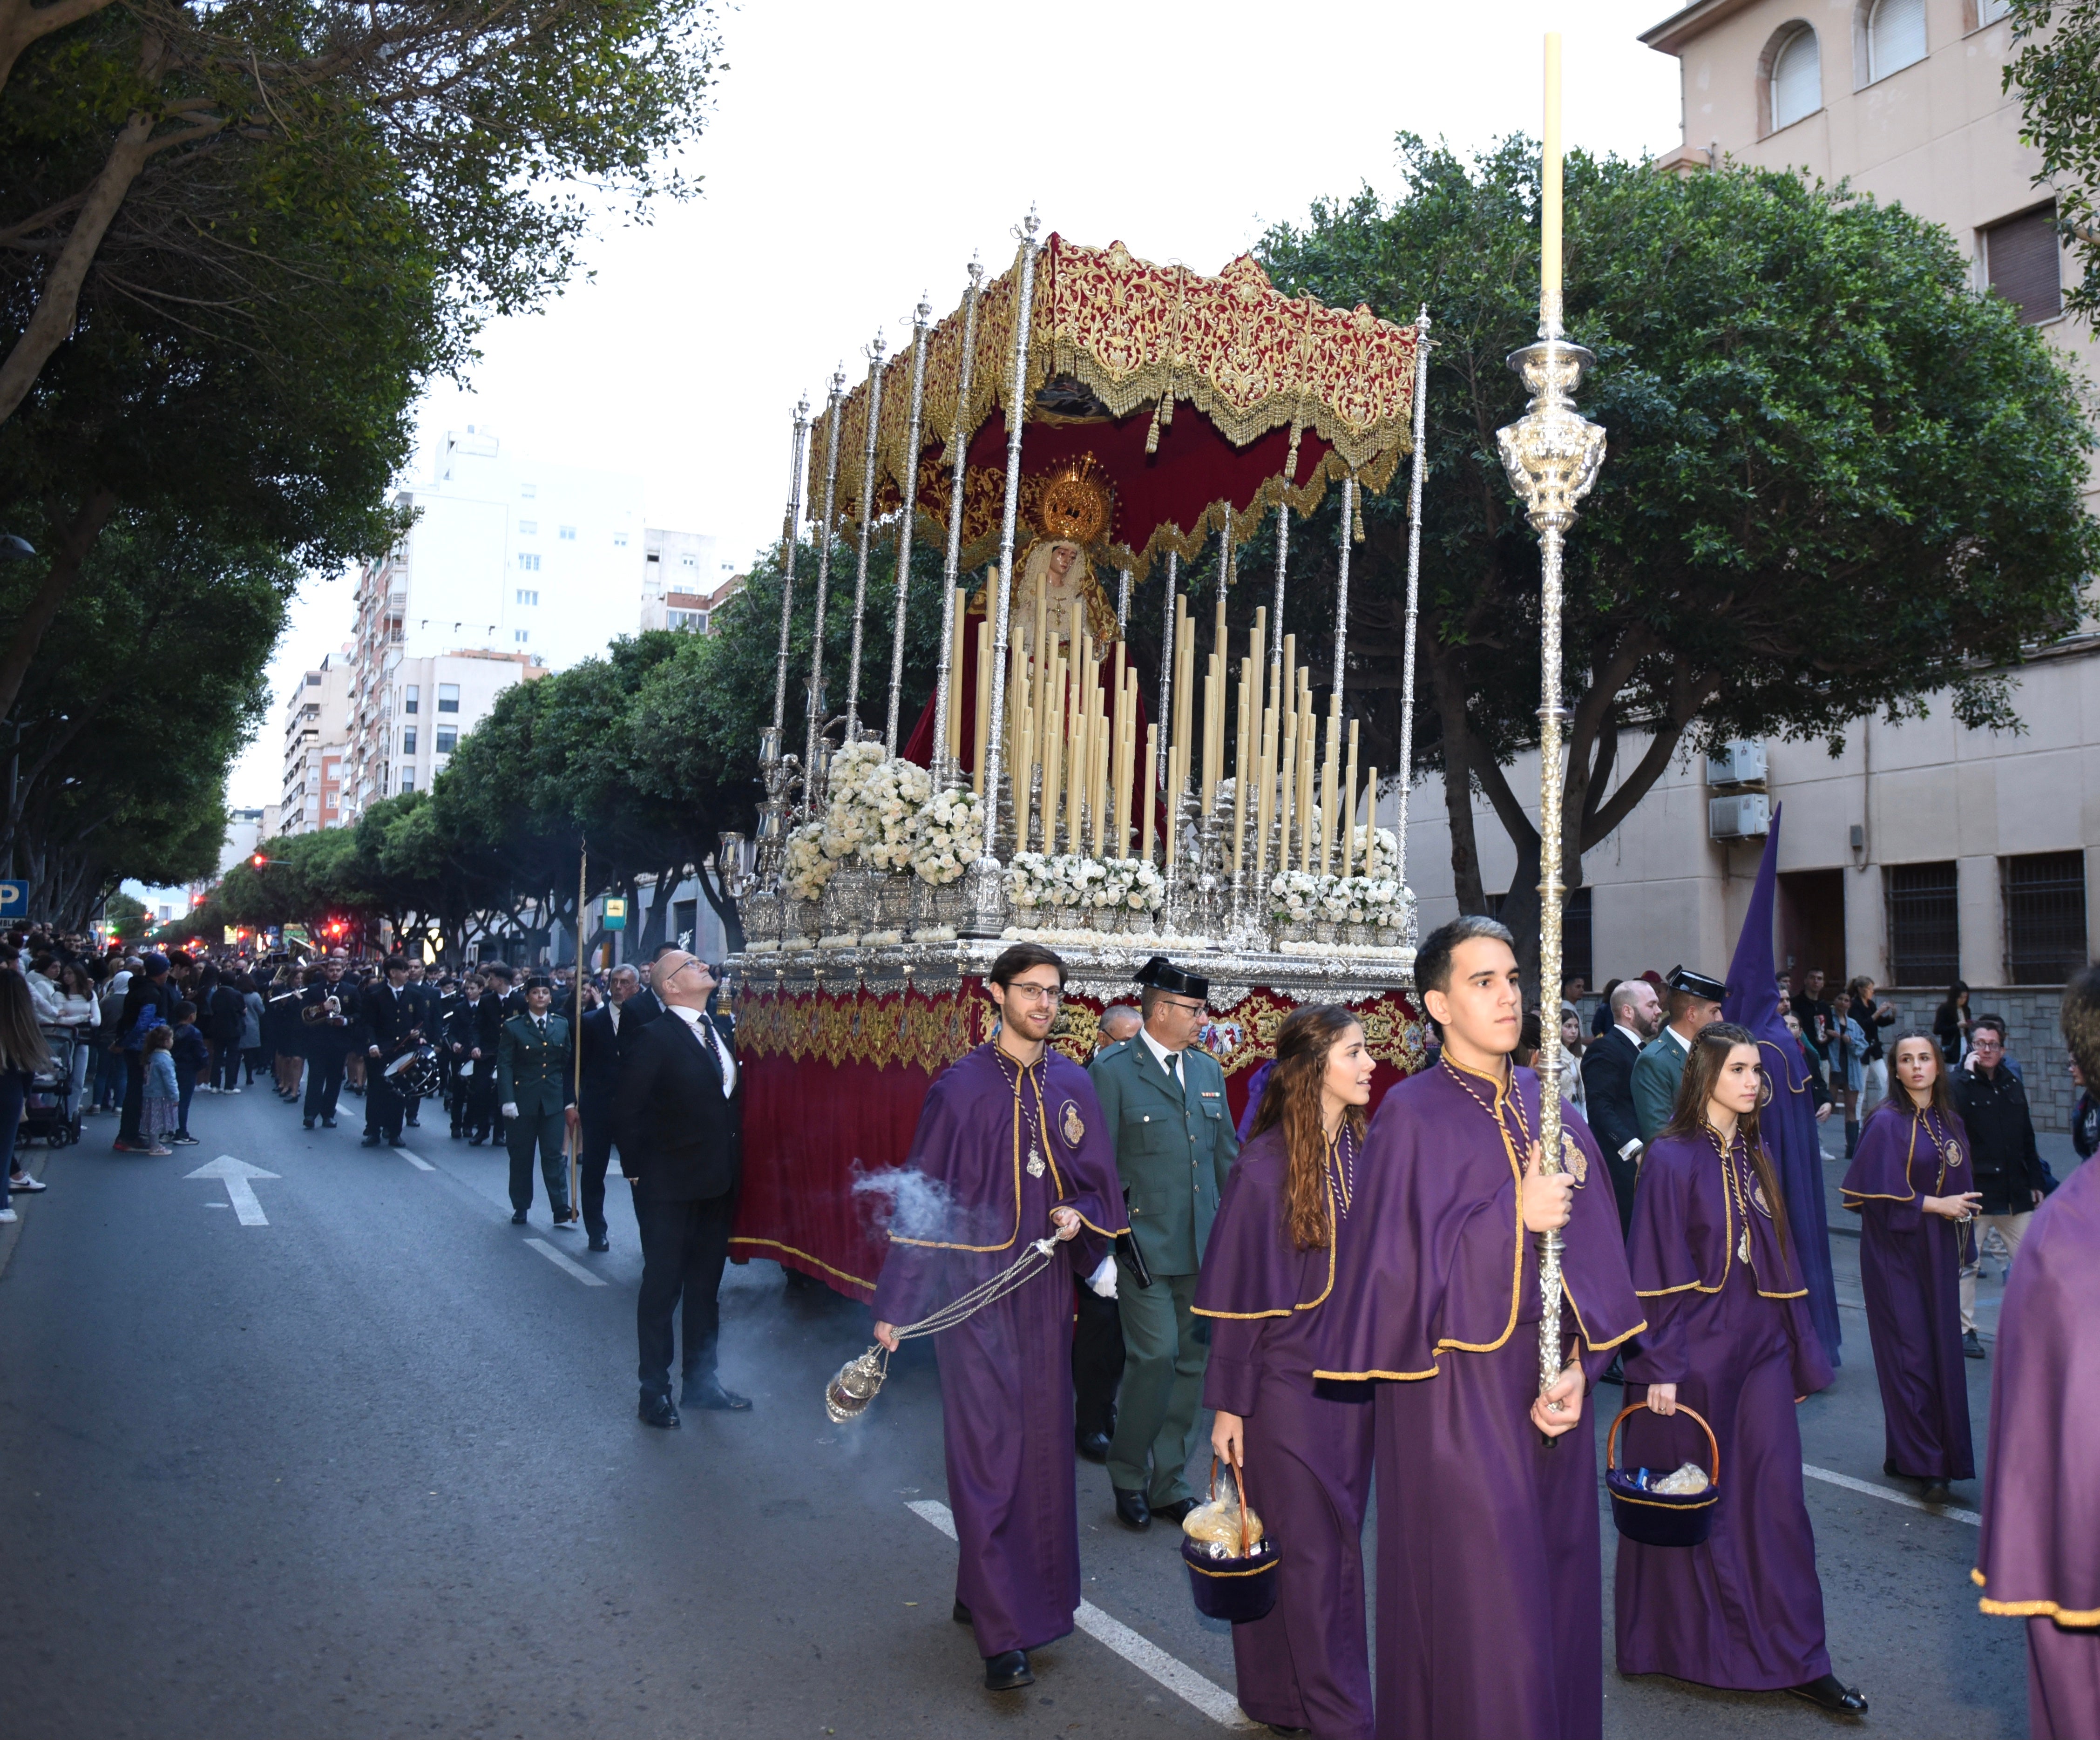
(1925, 851)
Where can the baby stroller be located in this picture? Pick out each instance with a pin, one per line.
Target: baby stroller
(51, 1110)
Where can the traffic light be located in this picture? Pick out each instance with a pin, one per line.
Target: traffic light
(259, 861)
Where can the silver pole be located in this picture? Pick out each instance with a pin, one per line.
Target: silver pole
(1413, 589)
(788, 559)
(1342, 581)
(812, 791)
(1122, 601)
(866, 533)
(946, 773)
(1282, 568)
(1016, 414)
(1167, 674)
(920, 316)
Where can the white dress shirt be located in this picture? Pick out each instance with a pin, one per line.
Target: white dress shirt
(1169, 1060)
(704, 1030)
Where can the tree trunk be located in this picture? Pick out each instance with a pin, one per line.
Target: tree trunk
(21, 23)
(1447, 688)
(726, 910)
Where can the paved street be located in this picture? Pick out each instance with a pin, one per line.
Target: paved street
(372, 1468)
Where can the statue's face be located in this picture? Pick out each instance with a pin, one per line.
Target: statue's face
(1061, 558)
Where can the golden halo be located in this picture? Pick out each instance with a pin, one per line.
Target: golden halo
(1076, 503)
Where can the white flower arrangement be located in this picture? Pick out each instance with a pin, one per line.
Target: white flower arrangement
(1297, 897)
(1072, 881)
(1378, 852)
(808, 866)
(950, 835)
(1294, 896)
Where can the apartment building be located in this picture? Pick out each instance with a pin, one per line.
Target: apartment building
(316, 741)
(1927, 851)
(686, 578)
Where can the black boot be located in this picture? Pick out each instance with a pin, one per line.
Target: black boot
(1007, 1673)
(1851, 1138)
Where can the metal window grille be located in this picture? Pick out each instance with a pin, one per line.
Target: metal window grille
(1925, 923)
(2021, 256)
(2044, 917)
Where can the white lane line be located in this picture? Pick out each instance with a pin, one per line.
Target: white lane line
(415, 1160)
(1953, 1512)
(1147, 1657)
(568, 1265)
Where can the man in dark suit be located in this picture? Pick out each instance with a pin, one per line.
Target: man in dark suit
(607, 1033)
(679, 1121)
(491, 1010)
(390, 1025)
(328, 1012)
(427, 1006)
(1608, 1085)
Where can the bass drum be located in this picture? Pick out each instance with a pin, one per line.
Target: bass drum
(422, 1077)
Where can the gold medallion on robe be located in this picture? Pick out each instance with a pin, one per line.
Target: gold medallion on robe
(1953, 1154)
(1071, 1124)
(1758, 1200)
(1573, 1161)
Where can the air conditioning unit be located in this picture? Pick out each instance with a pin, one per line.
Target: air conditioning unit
(1739, 761)
(1745, 815)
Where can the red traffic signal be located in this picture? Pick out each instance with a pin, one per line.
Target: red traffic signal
(259, 859)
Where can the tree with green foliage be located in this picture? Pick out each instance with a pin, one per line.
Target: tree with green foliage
(1837, 482)
(2056, 72)
(125, 916)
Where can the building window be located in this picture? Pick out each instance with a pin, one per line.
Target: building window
(447, 697)
(521, 636)
(2020, 260)
(410, 697)
(407, 740)
(527, 527)
(1795, 77)
(2044, 917)
(528, 561)
(527, 596)
(689, 562)
(569, 534)
(1990, 11)
(620, 541)
(407, 779)
(1924, 925)
(528, 491)
(694, 620)
(1895, 37)
(448, 739)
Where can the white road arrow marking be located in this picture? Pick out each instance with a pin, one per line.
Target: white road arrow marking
(238, 1190)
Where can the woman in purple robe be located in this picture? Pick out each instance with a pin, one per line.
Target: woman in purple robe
(1011, 1147)
(1728, 1336)
(1305, 1447)
(2039, 1559)
(1908, 1185)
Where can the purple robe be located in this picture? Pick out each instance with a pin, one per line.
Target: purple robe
(1910, 1265)
(1490, 1578)
(1006, 1372)
(1306, 1664)
(2040, 1556)
(1744, 1610)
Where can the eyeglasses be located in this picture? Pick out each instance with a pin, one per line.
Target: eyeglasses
(1186, 1009)
(1037, 993)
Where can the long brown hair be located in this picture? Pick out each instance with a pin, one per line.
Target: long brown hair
(1943, 1092)
(22, 1045)
(1291, 1098)
(1702, 1071)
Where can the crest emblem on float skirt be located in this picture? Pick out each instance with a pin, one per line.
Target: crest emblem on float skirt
(1071, 1125)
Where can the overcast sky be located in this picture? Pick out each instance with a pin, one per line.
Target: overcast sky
(857, 155)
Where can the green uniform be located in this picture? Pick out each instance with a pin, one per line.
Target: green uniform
(534, 1072)
(1656, 1072)
(1173, 1144)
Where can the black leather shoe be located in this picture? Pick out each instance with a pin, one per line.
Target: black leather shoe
(1132, 1511)
(1093, 1446)
(370, 1140)
(474, 1142)
(1832, 1693)
(308, 1122)
(518, 1217)
(656, 1409)
(961, 1615)
(1971, 1347)
(599, 1244)
(328, 1123)
(708, 1393)
(1175, 1512)
(415, 1124)
(1007, 1673)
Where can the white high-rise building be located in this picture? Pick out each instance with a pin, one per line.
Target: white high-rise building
(316, 741)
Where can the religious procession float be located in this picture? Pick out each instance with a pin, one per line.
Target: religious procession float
(1078, 421)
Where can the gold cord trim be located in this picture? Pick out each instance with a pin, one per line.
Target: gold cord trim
(776, 1245)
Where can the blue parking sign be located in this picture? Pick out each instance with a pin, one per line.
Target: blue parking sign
(13, 900)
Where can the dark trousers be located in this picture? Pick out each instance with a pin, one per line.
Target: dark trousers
(684, 1245)
(543, 1131)
(109, 1078)
(596, 1155)
(184, 1094)
(134, 1096)
(225, 1067)
(481, 1099)
(324, 1082)
(1096, 1360)
(383, 1107)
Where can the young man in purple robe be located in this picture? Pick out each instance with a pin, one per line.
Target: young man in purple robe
(1910, 1183)
(1489, 1575)
(1305, 1447)
(1011, 1147)
(2039, 1559)
(1730, 1338)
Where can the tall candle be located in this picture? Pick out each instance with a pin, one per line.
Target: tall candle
(951, 728)
(983, 707)
(1549, 263)
(1151, 794)
(1349, 810)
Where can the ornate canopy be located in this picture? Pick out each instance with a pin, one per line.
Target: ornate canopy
(1189, 397)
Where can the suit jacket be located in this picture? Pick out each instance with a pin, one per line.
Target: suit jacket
(603, 1050)
(1173, 1148)
(680, 1139)
(324, 1038)
(533, 1071)
(1607, 1102)
(387, 1019)
(1656, 1073)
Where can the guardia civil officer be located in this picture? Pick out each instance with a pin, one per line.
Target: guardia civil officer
(1694, 1001)
(536, 1088)
(1164, 1097)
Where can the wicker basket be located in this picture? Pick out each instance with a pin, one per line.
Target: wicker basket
(1662, 1519)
